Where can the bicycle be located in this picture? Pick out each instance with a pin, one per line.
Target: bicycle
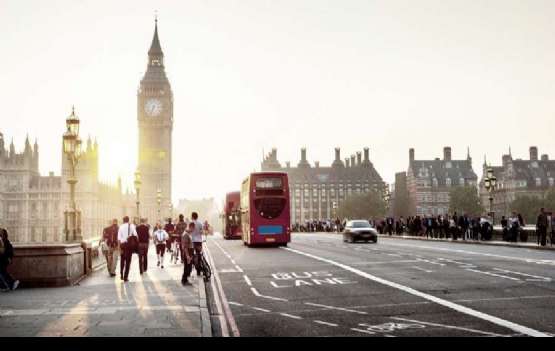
(201, 264)
(174, 252)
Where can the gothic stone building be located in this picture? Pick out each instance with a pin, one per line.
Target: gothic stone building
(32, 206)
(155, 119)
(533, 177)
(430, 181)
(315, 188)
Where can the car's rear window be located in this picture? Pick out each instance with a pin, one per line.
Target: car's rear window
(360, 224)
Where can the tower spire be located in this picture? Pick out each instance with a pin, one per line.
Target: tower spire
(155, 48)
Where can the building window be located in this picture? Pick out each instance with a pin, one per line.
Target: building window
(448, 181)
(551, 181)
(461, 181)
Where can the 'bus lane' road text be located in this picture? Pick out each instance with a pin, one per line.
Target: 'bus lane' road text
(294, 279)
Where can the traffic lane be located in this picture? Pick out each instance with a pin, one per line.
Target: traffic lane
(502, 294)
(310, 298)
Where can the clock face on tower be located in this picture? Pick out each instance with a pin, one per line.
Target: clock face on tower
(153, 107)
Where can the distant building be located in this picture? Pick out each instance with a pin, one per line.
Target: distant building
(32, 206)
(533, 177)
(207, 209)
(400, 202)
(314, 189)
(429, 182)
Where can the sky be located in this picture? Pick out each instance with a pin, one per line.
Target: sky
(251, 75)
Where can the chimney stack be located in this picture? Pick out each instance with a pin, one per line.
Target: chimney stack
(366, 154)
(303, 154)
(447, 153)
(411, 154)
(288, 164)
(274, 154)
(337, 154)
(317, 164)
(359, 158)
(545, 157)
(533, 153)
(352, 160)
(346, 163)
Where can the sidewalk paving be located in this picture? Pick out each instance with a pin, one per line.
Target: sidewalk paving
(155, 304)
(528, 245)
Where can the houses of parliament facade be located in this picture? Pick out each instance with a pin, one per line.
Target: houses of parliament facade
(32, 205)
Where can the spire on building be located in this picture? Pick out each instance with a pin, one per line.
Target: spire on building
(36, 146)
(155, 48)
(27, 145)
(12, 148)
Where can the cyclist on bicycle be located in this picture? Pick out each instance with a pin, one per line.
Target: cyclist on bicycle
(196, 236)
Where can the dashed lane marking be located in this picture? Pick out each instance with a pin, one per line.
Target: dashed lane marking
(326, 323)
(422, 269)
(448, 326)
(536, 277)
(495, 320)
(290, 316)
(493, 274)
(261, 309)
(335, 308)
(370, 333)
(235, 303)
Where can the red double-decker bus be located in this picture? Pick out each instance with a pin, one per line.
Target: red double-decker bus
(232, 216)
(265, 210)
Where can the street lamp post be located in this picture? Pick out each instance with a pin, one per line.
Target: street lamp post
(490, 183)
(72, 149)
(159, 199)
(386, 198)
(170, 208)
(138, 189)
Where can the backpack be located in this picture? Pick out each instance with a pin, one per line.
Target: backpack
(132, 241)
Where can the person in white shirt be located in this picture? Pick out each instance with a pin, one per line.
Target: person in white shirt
(160, 237)
(127, 239)
(196, 236)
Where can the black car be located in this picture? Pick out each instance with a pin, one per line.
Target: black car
(359, 230)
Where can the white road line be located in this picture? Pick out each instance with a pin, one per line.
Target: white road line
(493, 274)
(227, 310)
(261, 309)
(367, 263)
(528, 260)
(507, 298)
(422, 269)
(326, 323)
(547, 279)
(371, 333)
(256, 293)
(430, 262)
(235, 303)
(496, 320)
(239, 269)
(291, 316)
(249, 283)
(448, 326)
(334, 308)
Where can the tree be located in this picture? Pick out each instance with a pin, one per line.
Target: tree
(549, 202)
(528, 207)
(362, 206)
(464, 199)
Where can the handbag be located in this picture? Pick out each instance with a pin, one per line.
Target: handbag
(132, 241)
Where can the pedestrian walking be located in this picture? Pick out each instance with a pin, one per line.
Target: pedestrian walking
(7, 282)
(160, 239)
(128, 242)
(110, 247)
(180, 229)
(144, 240)
(169, 228)
(541, 227)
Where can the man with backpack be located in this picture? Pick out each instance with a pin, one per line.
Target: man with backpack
(129, 243)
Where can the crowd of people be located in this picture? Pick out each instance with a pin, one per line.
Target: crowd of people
(182, 240)
(450, 226)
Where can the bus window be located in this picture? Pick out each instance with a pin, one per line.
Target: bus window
(269, 207)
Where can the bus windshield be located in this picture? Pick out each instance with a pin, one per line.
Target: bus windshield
(269, 207)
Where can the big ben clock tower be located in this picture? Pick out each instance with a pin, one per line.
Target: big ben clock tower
(155, 117)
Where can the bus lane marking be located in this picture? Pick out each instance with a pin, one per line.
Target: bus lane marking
(422, 269)
(257, 294)
(459, 308)
(293, 279)
(493, 274)
(335, 308)
(449, 327)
